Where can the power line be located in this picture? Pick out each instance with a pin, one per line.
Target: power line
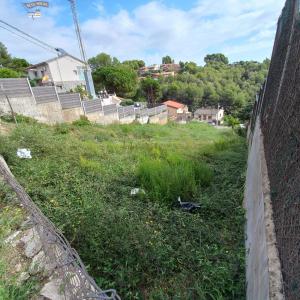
(29, 36)
(27, 39)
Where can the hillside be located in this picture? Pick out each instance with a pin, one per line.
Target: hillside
(145, 246)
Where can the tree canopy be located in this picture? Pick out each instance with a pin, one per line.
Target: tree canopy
(119, 79)
(232, 86)
(216, 58)
(135, 64)
(8, 73)
(151, 90)
(13, 63)
(167, 60)
(102, 60)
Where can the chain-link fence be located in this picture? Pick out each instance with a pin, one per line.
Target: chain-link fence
(278, 106)
(75, 282)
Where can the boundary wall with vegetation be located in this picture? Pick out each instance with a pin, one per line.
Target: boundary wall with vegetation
(68, 269)
(278, 110)
(46, 105)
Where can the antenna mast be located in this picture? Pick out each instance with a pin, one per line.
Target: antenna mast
(87, 71)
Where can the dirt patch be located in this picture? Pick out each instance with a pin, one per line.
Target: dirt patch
(6, 128)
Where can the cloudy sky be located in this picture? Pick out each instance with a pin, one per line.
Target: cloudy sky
(139, 29)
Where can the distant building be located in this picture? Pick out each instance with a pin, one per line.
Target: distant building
(170, 68)
(65, 72)
(176, 110)
(209, 115)
(163, 74)
(156, 71)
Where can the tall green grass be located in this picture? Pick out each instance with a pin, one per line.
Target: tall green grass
(81, 178)
(167, 179)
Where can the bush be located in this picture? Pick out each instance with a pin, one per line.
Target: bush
(166, 180)
(8, 73)
(19, 118)
(127, 102)
(83, 121)
(62, 128)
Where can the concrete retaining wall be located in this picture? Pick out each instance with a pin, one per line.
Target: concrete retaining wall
(127, 120)
(45, 105)
(161, 119)
(72, 114)
(50, 113)
(264, 277)
(24, 106)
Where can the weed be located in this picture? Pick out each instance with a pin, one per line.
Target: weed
(83, 121)
(142, 246)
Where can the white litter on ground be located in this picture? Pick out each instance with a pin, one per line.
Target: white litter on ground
(137, 191)
(24, 153)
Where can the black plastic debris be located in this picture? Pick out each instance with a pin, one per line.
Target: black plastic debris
(188, 206)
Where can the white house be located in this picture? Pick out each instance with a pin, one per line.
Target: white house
(209, 115)
(65, 72)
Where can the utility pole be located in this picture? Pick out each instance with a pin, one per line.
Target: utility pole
(87, 72)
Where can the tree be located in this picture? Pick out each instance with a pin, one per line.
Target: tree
(102, 60)
(151, 89)
(4, 55)
(6, 61)
(115, 61)
(118, 79)
(167, 60)
(190, 67)
(8, 73)
(216, 58)
(18, 64)
(135, 64)
(232, 121)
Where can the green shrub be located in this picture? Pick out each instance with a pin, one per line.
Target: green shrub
(167, 179)
(62, 128)
(127, 102)
(83, 121)
(19, 118)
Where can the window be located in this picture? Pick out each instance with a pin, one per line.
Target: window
(35, 74)
(209, 117)
(204, 118)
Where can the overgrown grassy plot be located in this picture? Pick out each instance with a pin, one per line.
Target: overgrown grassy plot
(81, 177)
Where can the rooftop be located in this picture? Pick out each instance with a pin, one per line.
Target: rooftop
(174, 104)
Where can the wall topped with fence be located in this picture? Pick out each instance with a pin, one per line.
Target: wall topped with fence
(15, 87)
(45, 94)
(69, 100)
(92, 106)
(46, 105)
(278, 109)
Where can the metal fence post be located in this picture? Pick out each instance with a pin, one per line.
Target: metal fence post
(31, 91)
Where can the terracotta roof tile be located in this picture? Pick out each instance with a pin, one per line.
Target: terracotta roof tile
(174, 104)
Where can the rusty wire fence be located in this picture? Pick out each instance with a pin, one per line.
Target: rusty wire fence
(75, 282)
(278, 107)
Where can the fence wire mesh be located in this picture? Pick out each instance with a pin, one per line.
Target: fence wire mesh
(75, 281)
(278, 106)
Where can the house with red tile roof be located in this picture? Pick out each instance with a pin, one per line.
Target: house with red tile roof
(176, 109)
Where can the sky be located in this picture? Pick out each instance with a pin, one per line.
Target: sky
(138, 29)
